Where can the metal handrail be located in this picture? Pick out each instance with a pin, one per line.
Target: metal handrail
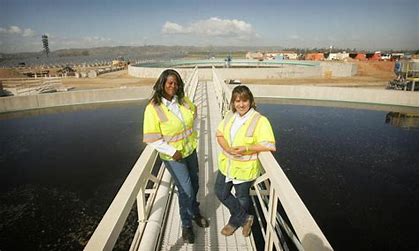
(134, 188)
(273, 187)
(191, 85)
(270, 189)
(151, 201)
(224, 93)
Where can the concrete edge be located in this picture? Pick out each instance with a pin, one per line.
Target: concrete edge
(335, 94)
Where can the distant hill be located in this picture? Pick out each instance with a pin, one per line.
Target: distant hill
(131, 53)
(138, 53)
(134, 51)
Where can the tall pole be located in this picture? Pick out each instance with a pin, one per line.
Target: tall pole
(45, 44)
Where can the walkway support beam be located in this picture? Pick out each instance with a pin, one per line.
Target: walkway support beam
(108, 230)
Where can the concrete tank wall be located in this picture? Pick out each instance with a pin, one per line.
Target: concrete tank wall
(338, 69)
(287, 71)
(358, 95)
(149, 72)
(333, 69)
(17, 103)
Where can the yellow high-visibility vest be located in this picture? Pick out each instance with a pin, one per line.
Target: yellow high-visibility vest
(161, 123)
(256, 130)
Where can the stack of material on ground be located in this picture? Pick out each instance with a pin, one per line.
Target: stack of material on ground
(360, 57)
(23, 87)
(407, 75)
(66, 71)
(34, 74)
(96, 72)
(315, 56)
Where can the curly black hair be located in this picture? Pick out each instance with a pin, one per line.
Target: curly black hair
(159, 87)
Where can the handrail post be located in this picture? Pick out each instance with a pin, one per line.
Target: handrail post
(271, 221)
(141, 205)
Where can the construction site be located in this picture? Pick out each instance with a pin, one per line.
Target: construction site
(380, 74)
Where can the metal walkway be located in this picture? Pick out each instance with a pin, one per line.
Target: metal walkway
(206, 238)
(284, 221)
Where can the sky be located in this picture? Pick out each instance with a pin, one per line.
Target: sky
(360, 24)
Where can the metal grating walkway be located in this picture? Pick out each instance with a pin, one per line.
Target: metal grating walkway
(211, 208)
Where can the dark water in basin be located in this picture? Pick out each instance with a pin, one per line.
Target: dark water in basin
(60, 169)
(356, 171)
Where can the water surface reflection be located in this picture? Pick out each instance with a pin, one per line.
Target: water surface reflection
(61, 168)
(356, 172)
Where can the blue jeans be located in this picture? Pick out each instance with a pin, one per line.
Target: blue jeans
(238, 205)
(185, 175)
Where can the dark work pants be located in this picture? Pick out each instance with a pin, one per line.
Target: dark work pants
(185, 175)
(237, 204)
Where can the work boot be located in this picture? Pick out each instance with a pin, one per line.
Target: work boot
(247, 226)
(228, 230)
(201, 221)
(188, 234)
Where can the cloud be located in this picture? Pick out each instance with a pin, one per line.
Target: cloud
(213, 27)
(17, 39)
(58, 42)
(16, 30)
(96, 39)
(294, 37)
(28, 33)
(173, 28)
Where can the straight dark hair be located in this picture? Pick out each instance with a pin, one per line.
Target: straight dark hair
(244, 93)
(159, 87)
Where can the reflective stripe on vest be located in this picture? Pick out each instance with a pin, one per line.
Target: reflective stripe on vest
(180, 136)
(269, 145)
(252, 125)
(186, 105)
(227, 117)
(190, 107)
(161, 114)
(151, 137)
(242, 158)
(249, 133)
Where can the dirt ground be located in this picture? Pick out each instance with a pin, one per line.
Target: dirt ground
(108, 80)
(370, 75)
